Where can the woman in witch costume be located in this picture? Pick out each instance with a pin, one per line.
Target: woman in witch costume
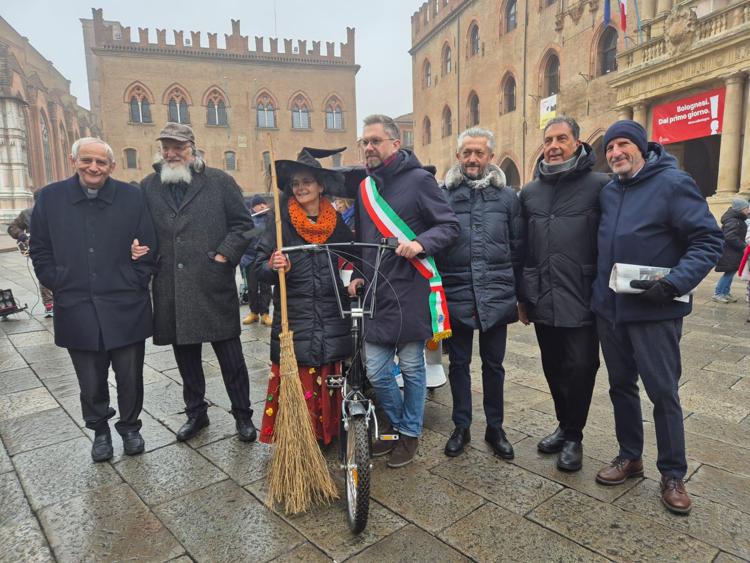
(321, 336)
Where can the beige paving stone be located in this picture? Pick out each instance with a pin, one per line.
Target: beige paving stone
(528, 457)
(243, 462)
(717, 454)
(306, 553)
(56, 473)
(24, 541)
(494, 534)
(109, 524)
(43, 353)
(732, 405)
(5, 463)
(25, 402)
(52, 369)
(11, 360)
(410, 544)
(168, 473)
(36, 430)
(728, 558)
(18, 380)
(223, 523)
(718, 429)
(35, 338)
(615, 533)
(15, 507)
(722, 487)
(708, 521)
(161, 360)
(498, 481)
(429, 501)
(163, 399)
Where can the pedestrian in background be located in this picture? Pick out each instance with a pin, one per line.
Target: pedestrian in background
(258, 291)
(734, 229)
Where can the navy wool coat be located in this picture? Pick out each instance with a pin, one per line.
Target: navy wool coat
(195, 297)
(402, 303)
(81, 251)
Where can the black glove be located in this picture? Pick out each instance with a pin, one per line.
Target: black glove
(658, 292)
(23, 237)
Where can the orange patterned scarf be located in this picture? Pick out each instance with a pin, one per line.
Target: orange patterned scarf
(316, 233)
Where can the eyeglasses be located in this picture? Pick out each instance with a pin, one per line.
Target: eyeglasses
(307, 182)
(374, 142)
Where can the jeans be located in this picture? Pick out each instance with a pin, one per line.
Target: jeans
(492, 353)
(405, 414)
(725, 284)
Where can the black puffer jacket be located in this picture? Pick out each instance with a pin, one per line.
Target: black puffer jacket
(481, 268)
(734, 228)
(562, 217)
(320, 334)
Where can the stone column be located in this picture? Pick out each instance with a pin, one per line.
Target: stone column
(640, 114)
(648, 10)
(625, 113)
(663, 7)
(729, 157)
(745, 168)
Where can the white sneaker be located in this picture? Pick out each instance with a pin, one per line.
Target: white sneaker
(720, 299)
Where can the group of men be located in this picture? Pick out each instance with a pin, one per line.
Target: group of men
(473, 255)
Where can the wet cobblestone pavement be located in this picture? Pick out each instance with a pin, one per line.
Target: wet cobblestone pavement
(204, 500)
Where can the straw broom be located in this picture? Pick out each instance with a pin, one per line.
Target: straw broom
(298, 477)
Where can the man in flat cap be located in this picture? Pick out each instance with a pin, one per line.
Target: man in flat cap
(199, 216)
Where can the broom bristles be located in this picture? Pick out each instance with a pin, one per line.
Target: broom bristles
(298, 477)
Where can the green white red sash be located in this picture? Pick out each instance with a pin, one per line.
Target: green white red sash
(389, 224)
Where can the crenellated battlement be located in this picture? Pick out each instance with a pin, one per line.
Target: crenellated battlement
(112, 36)
(432, 14)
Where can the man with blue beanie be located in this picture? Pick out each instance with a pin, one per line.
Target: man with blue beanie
(653, 214)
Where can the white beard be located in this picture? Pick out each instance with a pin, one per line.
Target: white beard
(175, 175)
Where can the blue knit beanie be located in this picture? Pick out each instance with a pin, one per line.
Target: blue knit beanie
(257, 200)
(628, 129)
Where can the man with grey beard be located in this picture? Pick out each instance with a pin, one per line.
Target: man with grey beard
(200, 218)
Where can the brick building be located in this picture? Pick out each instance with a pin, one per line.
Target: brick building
(39, 121)
(505, 64)
(233, 97)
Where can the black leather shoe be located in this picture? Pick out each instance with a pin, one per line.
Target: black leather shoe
(101, 450)
(246, 431)
(133, 443)
(553, 443)
(457, 441)
(571, 456)
(193, 425)
(495, 437)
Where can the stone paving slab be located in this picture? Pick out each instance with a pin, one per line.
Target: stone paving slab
(25, 402)
(5, 463)
(306, 553)
(15, 507)
(101, 525)
(492, 533)
(616, 534)
(407, 545)
(723, 487)
(710, 522)
(36, 430)
(243, 462)
(718, 429)
(56, 473)
(222, 425)
(223, 523)
(24, 541)
(18, 380)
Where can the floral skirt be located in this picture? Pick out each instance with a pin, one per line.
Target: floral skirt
(324, 404)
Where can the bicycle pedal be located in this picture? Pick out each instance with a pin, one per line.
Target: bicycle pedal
(388, 437)
(335, 381)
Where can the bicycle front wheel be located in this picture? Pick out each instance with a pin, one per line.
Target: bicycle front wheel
(357, 473)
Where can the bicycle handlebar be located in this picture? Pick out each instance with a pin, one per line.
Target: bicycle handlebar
(385, 244)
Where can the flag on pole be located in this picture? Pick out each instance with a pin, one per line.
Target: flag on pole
(607, 13)
(623, 14)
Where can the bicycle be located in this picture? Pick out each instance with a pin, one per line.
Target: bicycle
(358, 425)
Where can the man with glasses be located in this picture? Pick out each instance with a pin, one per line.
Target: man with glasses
(200, 218)
(400, 199)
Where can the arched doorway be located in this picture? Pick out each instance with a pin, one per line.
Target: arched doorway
(512, 177)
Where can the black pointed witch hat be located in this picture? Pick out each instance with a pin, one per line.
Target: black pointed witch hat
(333, 180)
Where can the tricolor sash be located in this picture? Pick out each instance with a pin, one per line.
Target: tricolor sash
(389, 224)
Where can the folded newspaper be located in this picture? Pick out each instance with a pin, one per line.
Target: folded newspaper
(623, 274)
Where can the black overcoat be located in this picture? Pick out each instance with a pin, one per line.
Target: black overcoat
(195, 297)
(734, 228)
(81, 251)
(562, 218)
(482, 267)
(321, 336)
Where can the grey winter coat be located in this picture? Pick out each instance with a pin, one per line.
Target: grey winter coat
(195, 297)
(482, 267)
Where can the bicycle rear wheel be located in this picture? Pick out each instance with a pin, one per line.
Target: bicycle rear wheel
(357, 473)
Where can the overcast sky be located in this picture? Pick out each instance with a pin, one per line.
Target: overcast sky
(383, 35)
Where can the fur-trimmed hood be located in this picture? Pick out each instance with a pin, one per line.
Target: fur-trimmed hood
(455, 178)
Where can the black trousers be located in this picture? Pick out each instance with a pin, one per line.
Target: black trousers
(258, 292)
(492, 353)
(570, 360)
(233, 370)
(651, 349)
(92, 371)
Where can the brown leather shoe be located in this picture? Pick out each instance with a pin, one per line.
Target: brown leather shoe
(674, 496)
(617, 472)
(404, 452)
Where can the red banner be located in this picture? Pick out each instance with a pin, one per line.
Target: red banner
(689, 118)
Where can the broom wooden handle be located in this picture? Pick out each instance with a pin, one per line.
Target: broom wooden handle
(279, 238)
